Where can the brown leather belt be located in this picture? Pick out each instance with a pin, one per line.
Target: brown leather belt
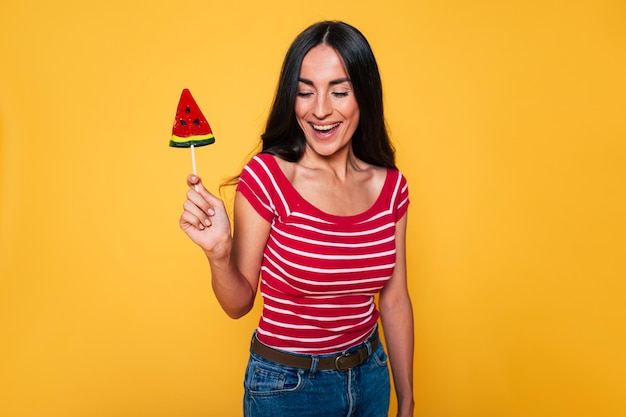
(341, 362)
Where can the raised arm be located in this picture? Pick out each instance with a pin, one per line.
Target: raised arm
(235, 260)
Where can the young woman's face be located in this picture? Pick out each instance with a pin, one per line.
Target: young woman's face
(326, 108)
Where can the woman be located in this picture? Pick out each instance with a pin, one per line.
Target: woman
(320, 217)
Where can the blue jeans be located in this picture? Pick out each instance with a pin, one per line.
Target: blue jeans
(274, 390)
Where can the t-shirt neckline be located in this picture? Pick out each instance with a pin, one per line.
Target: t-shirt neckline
(287, 187)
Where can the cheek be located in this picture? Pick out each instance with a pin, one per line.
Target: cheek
(300, 113)
(353, 114)
(300, 109)
(351, 111)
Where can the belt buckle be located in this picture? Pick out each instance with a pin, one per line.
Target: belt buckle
(338, 365)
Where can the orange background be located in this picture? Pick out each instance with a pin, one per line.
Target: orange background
(509, 121)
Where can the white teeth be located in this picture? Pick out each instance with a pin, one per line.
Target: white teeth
(325, 127)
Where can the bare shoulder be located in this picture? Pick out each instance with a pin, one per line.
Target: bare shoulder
(375, 174)
(288, 168)
(372, 176)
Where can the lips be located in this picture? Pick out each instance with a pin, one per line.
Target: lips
(324, 128)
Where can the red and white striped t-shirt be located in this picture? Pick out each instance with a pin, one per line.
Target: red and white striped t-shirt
(320, 272)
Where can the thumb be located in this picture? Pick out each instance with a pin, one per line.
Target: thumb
(195, 182)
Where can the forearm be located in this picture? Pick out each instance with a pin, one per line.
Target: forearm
(397, 321)
(232, 290)
(235, 259)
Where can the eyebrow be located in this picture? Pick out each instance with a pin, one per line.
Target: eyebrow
(333, 82)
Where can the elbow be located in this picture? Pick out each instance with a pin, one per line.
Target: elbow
(396, 305)
(236, 303)
(237, 313)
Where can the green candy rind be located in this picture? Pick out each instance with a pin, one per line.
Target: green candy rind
(187, 143)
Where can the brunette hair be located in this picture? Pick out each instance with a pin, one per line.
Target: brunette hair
(283, 136)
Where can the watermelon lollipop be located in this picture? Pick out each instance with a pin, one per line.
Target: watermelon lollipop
(190, 128)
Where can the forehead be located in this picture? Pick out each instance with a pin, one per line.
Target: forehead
(322, 63)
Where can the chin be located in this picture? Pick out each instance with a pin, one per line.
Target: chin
(327, 150)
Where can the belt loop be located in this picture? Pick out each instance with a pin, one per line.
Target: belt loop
(368, 342)
(314, 361)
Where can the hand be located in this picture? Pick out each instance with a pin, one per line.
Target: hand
(205, 220)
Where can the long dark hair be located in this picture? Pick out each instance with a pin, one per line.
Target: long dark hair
(370, 143)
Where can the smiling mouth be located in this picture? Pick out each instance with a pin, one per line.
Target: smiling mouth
(325, 128)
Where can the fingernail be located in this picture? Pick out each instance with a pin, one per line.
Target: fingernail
(210, 212)
(207, 222)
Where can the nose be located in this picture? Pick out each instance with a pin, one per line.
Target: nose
(322, 107)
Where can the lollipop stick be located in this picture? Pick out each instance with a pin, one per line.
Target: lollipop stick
(193, 161)
(193, 164)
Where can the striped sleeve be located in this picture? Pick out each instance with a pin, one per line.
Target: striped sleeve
(402, 197)
(252, 185)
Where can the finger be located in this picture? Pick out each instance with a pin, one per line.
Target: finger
(202, 201)
(188, 220)
(194, 181)
(197, 214)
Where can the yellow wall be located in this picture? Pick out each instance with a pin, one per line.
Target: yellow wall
(508, 117)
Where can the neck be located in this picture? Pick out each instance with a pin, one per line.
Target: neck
(340, 163)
